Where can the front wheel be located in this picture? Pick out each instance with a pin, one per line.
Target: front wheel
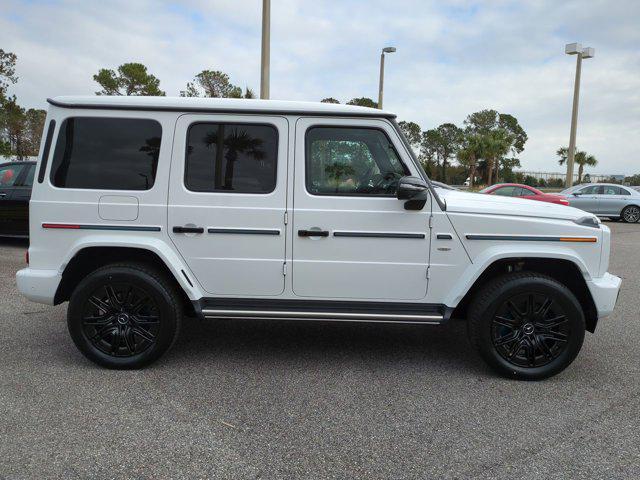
(526, 325)
(124, 316)
(631, 214)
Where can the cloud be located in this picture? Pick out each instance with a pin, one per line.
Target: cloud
(453, 58)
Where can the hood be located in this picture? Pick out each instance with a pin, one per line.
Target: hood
(467, 202)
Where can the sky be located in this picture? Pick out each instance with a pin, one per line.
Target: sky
(453, 58)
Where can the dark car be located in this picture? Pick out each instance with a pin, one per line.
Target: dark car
(16, 180)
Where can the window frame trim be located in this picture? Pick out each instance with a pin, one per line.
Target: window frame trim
(407, 171)
(84, 189)
(224, 192)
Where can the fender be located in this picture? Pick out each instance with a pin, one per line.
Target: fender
(500, 252)
(173, 262)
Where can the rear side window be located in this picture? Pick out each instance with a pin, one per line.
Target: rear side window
(106, 153)
(9, 174)
(231, 158)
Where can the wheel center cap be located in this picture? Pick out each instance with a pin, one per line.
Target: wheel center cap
(123, 319)
(527, 328)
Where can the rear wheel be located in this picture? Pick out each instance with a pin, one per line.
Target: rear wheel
(631, 214)
(124, 316)
(526, 325)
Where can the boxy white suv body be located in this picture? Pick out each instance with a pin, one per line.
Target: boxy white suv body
(146, 209)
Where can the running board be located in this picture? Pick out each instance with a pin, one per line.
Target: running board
(376, 312)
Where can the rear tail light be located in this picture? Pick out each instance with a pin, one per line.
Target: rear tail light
(26, 256)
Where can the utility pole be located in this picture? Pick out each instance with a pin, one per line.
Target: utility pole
(575, 49)
(381, 84)
(266, 47)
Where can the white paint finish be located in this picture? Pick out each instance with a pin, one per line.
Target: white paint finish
(230, 264)
(235, 104)
(118, 208)
(375, 269)
(354, 267)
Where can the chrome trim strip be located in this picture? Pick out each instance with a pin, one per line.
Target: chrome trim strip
(128, 228)
(244, 231)
(379, 235)
(338, 316)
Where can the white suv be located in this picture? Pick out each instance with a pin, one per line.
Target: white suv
(148, 209)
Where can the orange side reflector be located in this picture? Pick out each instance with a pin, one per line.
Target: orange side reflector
(579, 239)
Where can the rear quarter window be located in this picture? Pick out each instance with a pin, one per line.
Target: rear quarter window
(106, 153)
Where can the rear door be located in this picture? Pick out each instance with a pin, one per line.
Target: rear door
(227, 201)
(352, 238)
(612, 200)
(9, 176)
(20, 199)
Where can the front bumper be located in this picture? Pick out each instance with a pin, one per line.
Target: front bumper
(38, 285)
(605, 291)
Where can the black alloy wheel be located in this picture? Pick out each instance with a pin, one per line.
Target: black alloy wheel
(121, 319)
(526, 325)
(530, 330)
(124, 315)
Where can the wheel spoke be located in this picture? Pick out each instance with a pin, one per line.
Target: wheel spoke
(544, 308)
(515, 349)
(144, 334)
(544, 348)
(99, 320)
(514, 310)
(97, 302)
(113, 297)
(117, 338)
(530, 306)
(552, 322)
(101, 333)
(505, 322)
(145, 319)
(129, 340)
(506, 339)
(531, 353)
(555, 336)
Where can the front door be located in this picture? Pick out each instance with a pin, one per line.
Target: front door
(587, 198)
(227, 200)
(352, 238)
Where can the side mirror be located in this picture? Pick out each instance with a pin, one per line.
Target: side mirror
(414, 190)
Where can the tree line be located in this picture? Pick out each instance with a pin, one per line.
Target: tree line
(484, 149)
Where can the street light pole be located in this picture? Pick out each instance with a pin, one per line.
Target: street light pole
(266, 47)
(381, 83)
(575, 49)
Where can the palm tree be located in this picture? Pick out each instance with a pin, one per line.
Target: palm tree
(496, 144)
(469, 153)
(583, 159)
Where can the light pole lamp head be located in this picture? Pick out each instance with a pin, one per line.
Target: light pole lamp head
(572, 48)
(588, 52)
(388, 49)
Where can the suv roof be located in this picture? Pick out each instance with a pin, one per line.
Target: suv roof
(215, 105)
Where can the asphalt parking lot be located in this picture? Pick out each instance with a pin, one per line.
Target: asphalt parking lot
(289, 400)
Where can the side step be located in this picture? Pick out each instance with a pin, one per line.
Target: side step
(378, 312)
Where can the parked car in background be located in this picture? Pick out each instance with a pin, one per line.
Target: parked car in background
(16, 180)
(609, 200)
(524, 191)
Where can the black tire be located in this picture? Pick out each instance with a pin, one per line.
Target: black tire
(630, 214)
(522, 342)
(124, 316)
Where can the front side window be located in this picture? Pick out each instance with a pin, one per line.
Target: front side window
(351, 161)
(106, 153)
(9, 175)
(231, 158)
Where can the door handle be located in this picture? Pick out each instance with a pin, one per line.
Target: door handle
(313, 233)
(2, 194)
(188, 230)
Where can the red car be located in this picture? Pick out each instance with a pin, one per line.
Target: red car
(524, 191)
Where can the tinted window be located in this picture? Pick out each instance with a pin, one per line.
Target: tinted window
(505, 191)
(521, 192)
(231, 157)
(351, 161)
(9, 174)
(28, 179)
(106, 153)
